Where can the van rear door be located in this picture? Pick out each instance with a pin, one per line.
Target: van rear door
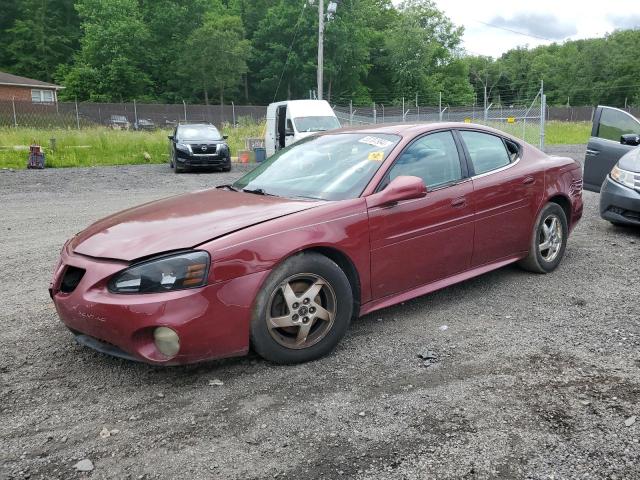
(604, 148)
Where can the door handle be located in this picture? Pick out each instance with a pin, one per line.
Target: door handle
(528, 180)
(458, 202)
(592, 153)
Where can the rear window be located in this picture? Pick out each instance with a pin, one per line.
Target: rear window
(487, 151)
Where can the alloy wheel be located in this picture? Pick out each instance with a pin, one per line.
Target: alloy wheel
(550, 238)
(301, 311)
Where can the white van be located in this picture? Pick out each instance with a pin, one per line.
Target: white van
(288, 122)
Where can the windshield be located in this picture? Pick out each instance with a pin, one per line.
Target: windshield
(199, 132)
(327, 167)
(316, 124)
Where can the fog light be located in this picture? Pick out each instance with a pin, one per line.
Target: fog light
(167, 341)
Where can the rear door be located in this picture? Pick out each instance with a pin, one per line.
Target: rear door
(604, 148)
(506, 191)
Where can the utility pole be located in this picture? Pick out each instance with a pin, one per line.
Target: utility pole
(485, 102)
(320, 47)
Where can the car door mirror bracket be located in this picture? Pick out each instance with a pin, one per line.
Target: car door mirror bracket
(630, 139)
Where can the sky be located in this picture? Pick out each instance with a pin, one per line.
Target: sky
(538, 22)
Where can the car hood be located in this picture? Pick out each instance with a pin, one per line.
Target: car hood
(180, 222)
(631, 161)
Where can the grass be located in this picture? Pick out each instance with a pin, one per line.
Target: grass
(561, 133)
(102, 146)
(556, 133)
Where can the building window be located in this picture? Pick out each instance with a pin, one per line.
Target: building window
(42, 96)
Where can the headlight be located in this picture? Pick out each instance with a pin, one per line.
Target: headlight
(623, 177)
(164, 274)
(185, 147)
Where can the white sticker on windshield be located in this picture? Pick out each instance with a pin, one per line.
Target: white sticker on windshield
(375, 141)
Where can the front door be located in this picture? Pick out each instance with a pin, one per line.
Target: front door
(604, 148)
(416, 242)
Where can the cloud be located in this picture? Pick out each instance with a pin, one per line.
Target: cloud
(541, 25)
(625, 21)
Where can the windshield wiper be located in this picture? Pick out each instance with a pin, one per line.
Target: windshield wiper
(257, 191)
(305, 197)
(230, 187)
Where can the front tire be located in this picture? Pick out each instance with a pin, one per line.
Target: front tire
(548, 241)
(302, 311)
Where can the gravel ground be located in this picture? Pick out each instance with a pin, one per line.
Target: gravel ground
(535, 376)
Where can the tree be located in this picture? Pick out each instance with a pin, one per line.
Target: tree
(484, 75)
(420, 51)
(170, 23)
(43, 34)
(216, 54)
(349, 38)
(111, 64)
(284, 59)
(10, 11)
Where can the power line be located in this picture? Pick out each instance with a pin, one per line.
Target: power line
(514, 31)
(295, 34)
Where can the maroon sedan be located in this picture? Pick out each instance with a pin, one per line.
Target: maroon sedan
(334, 227)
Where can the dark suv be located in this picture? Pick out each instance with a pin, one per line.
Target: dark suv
(198, 145)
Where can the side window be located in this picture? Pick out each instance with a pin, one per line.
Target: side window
(614, 124)
(487, 151)
(434, 158)
(514, 150)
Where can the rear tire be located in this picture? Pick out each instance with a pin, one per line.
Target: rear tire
(302, 311)
(548, 240)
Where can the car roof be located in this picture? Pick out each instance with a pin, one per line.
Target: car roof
(412, 129)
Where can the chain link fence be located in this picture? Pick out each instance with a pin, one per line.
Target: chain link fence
(120, 115)
(525, 121)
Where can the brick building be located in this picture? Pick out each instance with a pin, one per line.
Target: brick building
(13, 87)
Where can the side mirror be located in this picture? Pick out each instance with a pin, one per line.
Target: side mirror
(225, 137)
(289, 132)
(630, 139)
(170, 137)
(400, 188)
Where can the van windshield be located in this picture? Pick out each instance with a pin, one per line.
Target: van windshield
(326, 167)
(316, 124)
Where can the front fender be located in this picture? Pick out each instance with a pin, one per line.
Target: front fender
(342, 226)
